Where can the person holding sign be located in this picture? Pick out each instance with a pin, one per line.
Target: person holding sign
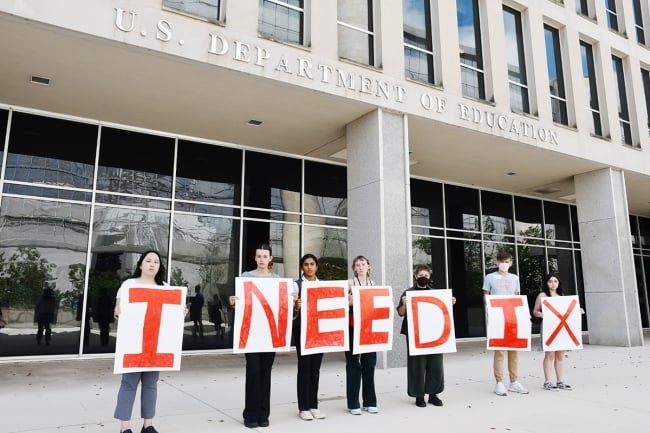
(308, 365)
(257, 399)
(552, 359)
(360, 368)
(424, 373)
(502, 282)
(148, 270)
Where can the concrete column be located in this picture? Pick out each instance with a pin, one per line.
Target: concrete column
(379, 210)
(612, 302)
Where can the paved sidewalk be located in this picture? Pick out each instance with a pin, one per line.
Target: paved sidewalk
(611, 391)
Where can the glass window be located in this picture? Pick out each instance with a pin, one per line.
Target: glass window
(642, 266)
(644, 233)
(589, 79)
(330, 245)
(282, 19)
(471, 51)
(557, 226)
(462, 208)
(356, 37)
(205, 253)
(431, 251)
(528, 213)
(645, 79)
(42, 253)
(51, 151)
(281, 237)
(496, 216)
(634, 233)
(135, 163)
(612, 16)
(271, 182)
(517, 78)
(555, 75)
(621, 94)
(208, 9)
(560, 261)
(575, 231)
(208, 173)
(418, 40)
(464, 259)
(531, 269)
(3, 132)
(638, 21)
(426, 204)
(582, 7)
(326, 189)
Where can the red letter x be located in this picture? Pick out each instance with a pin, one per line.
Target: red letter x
(563, 323)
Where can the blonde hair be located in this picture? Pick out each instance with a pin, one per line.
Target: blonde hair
(356, 259)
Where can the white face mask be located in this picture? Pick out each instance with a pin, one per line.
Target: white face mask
(503, 267)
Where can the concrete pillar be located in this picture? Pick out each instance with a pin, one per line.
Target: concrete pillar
(612, 302)
(379, 208)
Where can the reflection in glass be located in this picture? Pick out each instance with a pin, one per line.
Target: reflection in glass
(560, 261)
(516, 60)
(206, 253)
(462, 208)
(471, 55)
(43, 243)
(426, 203)
(556, 221)
(644, 232)
(531, 271)
(208, 9)
(272, 182)
(135, 163)
(496, 216)
(355, 31)
(431, 251)
(51, 151)
(208, 173)
(466, 280)
(330, 245)
(528, 214)
(282, 19)
(326, 189)
(418, 41)
(555, 75)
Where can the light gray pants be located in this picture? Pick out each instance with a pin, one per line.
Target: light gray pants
(148, 395)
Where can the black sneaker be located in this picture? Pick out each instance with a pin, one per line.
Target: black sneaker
(419, 402)
(434, 400)
(149, 429)
(264, 423)
(251, 424)
(564, 386)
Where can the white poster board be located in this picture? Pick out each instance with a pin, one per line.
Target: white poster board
(562, 324)
(263, 314)
(508, 322)
(430, 322)
(373, 319)
(150, 328)
(324, 320)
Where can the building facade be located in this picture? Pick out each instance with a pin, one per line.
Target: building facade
(414, 131)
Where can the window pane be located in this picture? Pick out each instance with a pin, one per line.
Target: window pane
(206, 253)
(418, 65)
(531, 268)
(208, 9)
(643, 265)
(330, 245)
(464, 260)
(431, 251)
(556, 218)
(528, 212)
(417, 23)
(462, 208)
(4, 115)
(357, 13)
(272, 182)
(355, 45)
(135, 163)
(43, 246)
(280, 21)
(555, 75)
(426, 203)
(326, 189)
(560, 261)
(283, 241)
(644, 232)
(208, 173)
(51, 151)
(497, 216)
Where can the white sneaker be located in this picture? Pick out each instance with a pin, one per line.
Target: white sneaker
(317, 414)
(518, 388)
(371, 409)
(306, 415)
(500, 389)
(356, 411)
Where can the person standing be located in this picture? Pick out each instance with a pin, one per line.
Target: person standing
(360, 369)
(196, 311)
(424, 373)
(149, 270)
(308, 365)
(257, 399)
(45, 313)
(503, 282)
(552, 359)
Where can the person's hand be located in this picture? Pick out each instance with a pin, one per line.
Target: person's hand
(297, 304)
(116, 313)
(185, 311)
(453, 300)
(349, 298)
(232, 300)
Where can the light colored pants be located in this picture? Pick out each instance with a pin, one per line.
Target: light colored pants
(499, 355)
(148, 395)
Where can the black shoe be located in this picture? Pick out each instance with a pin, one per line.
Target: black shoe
(434, 400)
(149, 429)
(251, 424)
(264, 423)
(419, 402)
(128, 430)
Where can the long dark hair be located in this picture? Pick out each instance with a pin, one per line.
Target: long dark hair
(305, 257)
(266, 247)
(160, 276)
(559, 290)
